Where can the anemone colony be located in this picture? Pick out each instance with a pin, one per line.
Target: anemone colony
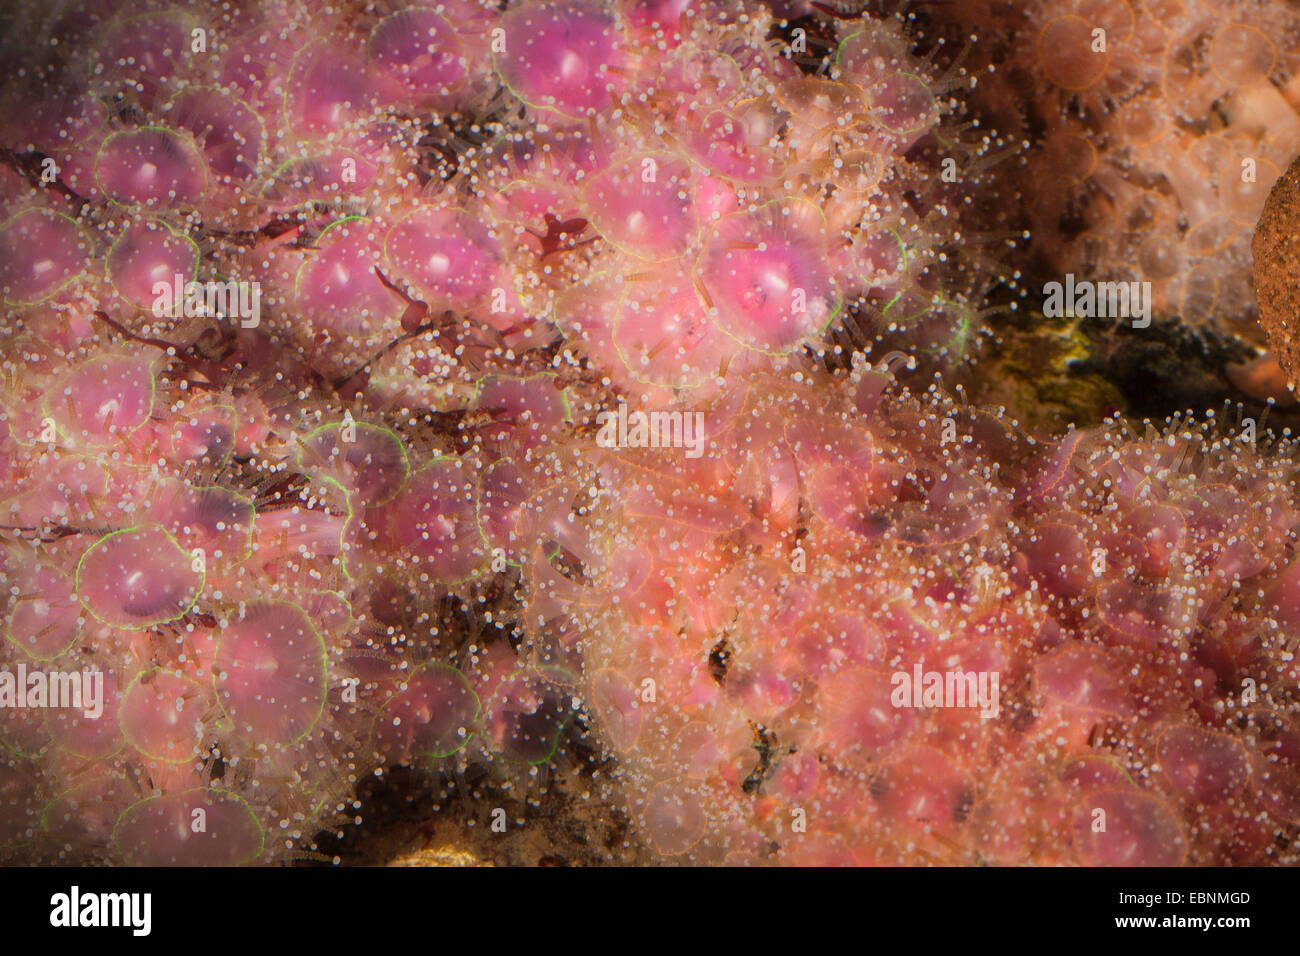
(351, 356)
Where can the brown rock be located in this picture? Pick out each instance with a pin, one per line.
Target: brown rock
(1277, 271)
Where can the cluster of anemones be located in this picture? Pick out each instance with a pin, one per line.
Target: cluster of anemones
(253, 570)
(1156, 131)
(316, 320)
(773, 633)
(711, 201)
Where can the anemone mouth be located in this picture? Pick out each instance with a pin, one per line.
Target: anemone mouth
(139, 577)
(52, 248)
(326, 92)
(434, 519)
(422, 50)
(433, 716)
(446, 254)
(764, 277)
(643, 205)
(153, 167)
(159, 713)
(368, 460)
(103, 400)
(556, 57)
(45, 619)
(147, 254)
(164, 830)
(340, 292)
(271, 673)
